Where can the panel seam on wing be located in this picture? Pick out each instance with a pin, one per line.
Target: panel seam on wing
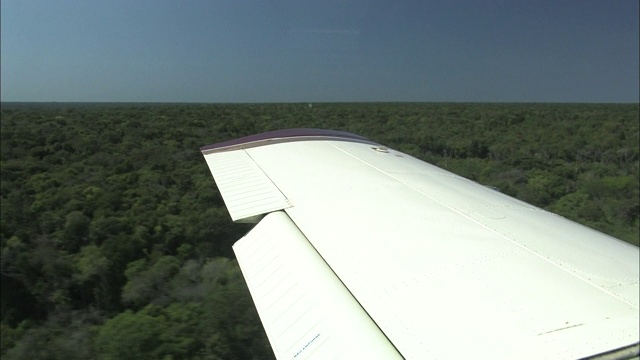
(541, 256)
(286, 198)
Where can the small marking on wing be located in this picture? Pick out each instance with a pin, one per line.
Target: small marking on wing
(560, 329)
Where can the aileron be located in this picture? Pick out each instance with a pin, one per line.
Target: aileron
(235, 171)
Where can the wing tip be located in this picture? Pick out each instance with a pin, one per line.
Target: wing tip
(284, 135)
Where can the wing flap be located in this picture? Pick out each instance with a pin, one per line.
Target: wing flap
(306, 311)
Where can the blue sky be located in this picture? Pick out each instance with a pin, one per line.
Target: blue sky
(324, 50)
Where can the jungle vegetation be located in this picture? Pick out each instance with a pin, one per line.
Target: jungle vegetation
(115, 243)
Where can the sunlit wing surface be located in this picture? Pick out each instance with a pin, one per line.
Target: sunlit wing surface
(443, 267)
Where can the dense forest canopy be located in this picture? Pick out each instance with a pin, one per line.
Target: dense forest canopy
(115, 243)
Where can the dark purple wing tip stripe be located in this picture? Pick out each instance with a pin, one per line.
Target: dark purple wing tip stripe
(284, 136)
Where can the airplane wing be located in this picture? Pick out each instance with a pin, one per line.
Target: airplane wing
(361, 251)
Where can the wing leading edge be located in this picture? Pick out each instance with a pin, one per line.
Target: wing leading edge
(442, 265)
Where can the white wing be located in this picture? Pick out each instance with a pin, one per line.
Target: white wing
(442, 266)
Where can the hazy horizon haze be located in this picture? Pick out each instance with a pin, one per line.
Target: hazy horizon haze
(312, 51)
